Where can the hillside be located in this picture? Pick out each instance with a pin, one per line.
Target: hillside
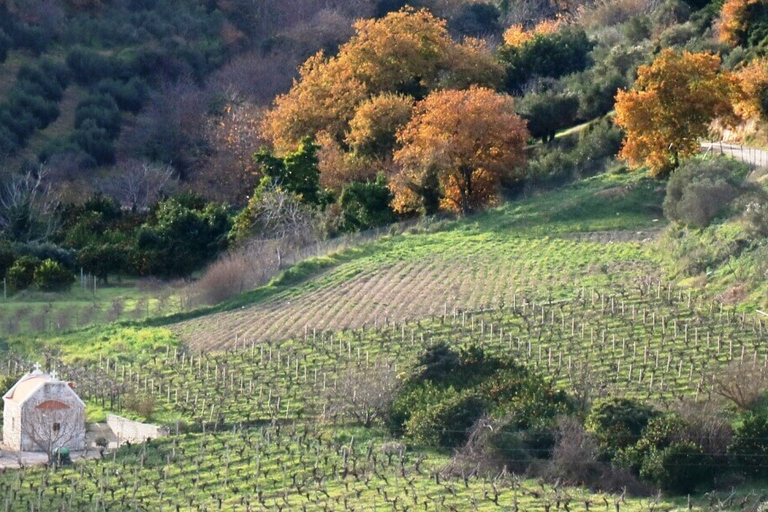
(547, 246)
(438, 255)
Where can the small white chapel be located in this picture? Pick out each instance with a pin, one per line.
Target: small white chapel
(43, 413)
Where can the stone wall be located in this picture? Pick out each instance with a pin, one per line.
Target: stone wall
(133, 431)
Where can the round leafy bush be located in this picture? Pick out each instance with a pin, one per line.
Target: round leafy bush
(51, 276)
(679, 468)
(698, 191)
(446, 423)
(22, 274)
(749, 447)
(618, 423)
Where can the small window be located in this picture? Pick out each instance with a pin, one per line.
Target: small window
(56, 428)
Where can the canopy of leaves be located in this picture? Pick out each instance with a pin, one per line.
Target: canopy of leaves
(296, 172)
(670, 107)
(453, 389)
(407, 52)
(545, 54)
(467, 140)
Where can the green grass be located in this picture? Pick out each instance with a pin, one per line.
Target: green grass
(287, 469)
(563, 281)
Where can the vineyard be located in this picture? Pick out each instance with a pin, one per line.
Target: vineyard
(465, 266)
(253, 407)
(245, 389)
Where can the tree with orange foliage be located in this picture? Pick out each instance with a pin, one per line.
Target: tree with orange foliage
(749, 99)
(324, 98)
(407, 52)
(517, 35)
(466, 142)
(374, 128)
(733, 25)
(670, 107)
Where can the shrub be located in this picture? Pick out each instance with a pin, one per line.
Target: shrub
(448, 422)
(5, 44)
(181, 236)
(366, 205)
(22, 273)
(43, 111)
(698, 191)
(44, 81)
(679, 468)
(95, 141)
(143, 405)
(51, 276)
(618, 423)
(129, 96)
(88, 66)
(749, 448)
(575, 456)
(102, 110)
(547, 113)
(438, 361)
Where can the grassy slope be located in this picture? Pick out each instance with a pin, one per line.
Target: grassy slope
(552, 244)
(579, 237)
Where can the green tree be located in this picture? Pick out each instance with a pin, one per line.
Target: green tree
(749, 448)
(366, 205)
(296, 172)
(547, 113)
(618, 423)
(546, 55)
(22, 274)
(51, 276)
(183, 234)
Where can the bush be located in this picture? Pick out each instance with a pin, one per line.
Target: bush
(143, 405)
(749, 448)
(618, 423)
(129, 96)
(547, 113)
(95, 141)
(22, 273)
(448, 422)
(102, 110)
(5, 44)
(50, 276)
(181, 236)
(698, 191)
(366, 205)
(88, 66)
(45, 81)
(679, 468)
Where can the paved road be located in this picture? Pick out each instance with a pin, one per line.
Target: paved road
(756, 157)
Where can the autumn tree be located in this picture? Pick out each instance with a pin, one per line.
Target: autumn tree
(736, 18)
(408, 52)
(670, 107)
(373, 129)
(464, 141)
(751, 96)
(323, 99)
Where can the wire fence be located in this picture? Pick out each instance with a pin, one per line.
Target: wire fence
(752, 156)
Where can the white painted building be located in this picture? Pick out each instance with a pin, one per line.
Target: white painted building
(42, 413)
